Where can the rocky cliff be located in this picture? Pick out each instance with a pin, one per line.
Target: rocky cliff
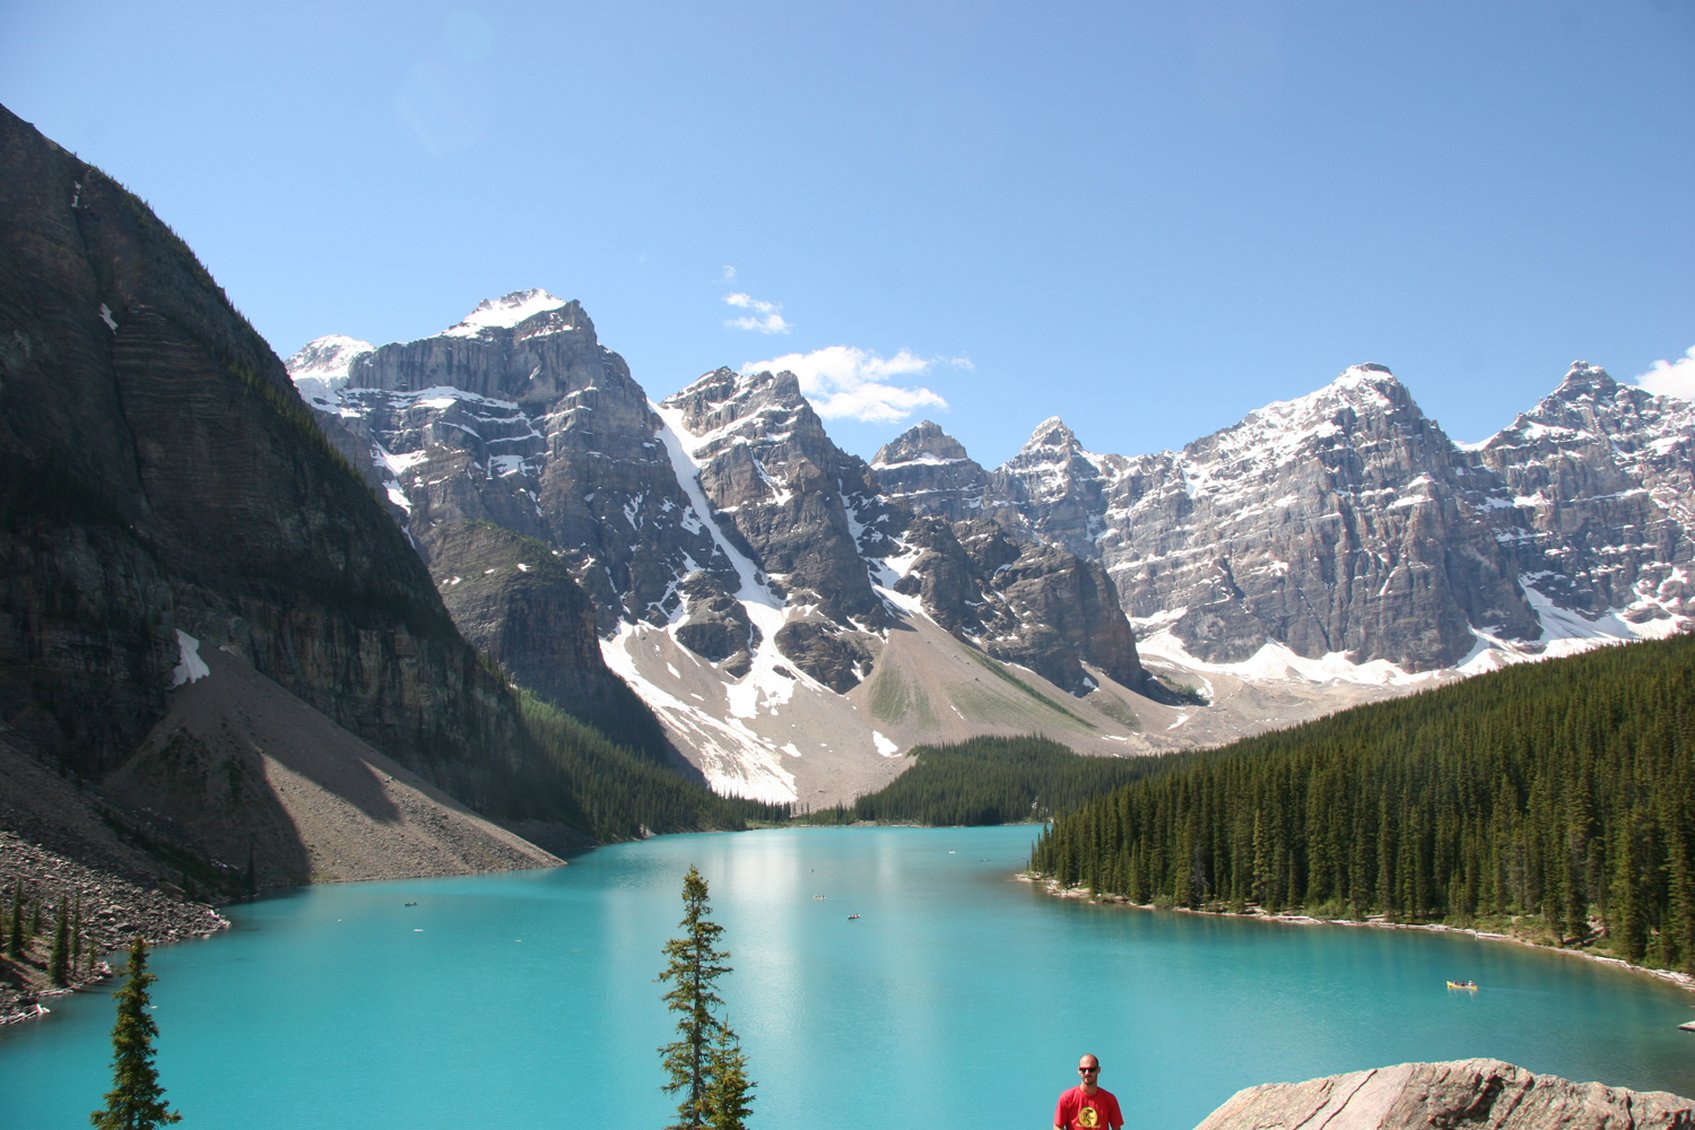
(1024, 602)
(927, 471)
(1343, 531)
(738, 562)
(1345, 528)
(1475, 1093)
(165, 489)
(804, 511)
(1597, 498)
(1335, 523)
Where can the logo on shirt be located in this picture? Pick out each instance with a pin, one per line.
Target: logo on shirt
(1088, 1118)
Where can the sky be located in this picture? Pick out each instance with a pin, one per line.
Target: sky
(1148, 219)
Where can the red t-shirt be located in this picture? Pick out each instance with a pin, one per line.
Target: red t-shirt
(1077, 1111)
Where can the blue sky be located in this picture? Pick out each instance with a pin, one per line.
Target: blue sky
(1148, 219)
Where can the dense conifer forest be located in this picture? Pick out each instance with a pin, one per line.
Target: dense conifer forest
(992, 780)
(1560, 794)
(620, 793)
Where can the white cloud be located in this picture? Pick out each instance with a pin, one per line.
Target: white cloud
(727, 275)
(766, 317)
(1672, 378)
(843, 381)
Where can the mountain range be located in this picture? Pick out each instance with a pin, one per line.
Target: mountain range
(797, 617)
(251, 608)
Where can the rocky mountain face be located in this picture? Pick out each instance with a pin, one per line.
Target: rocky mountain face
(805, 512)
(1346, 525)
(520, 417)
(1474, 1092)
(928, 471)
(517, 424)
(723, 519)
(1035, 605)
(1597, 497)
(1342, 530)
(165, 490)
(1333, 523)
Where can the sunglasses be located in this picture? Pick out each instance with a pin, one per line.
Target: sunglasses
(1090, 1070)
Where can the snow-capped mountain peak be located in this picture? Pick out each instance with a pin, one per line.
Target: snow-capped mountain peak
(1584, 375)
(320, 367)
(1365, 388)
(1051, 433)
(506, 312)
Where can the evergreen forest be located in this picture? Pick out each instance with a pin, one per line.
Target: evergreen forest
(1556, 799)
(992, 780)
(620, 793)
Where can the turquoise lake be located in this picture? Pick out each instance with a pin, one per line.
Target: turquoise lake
(960, 996)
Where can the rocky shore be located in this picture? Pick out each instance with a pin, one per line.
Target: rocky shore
(113, 911)
(59, 843)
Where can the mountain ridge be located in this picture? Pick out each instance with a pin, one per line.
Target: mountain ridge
(1338, 537)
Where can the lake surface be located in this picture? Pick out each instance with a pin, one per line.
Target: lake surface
(959, 997)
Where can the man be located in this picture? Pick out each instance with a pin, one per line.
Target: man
(1086, 1106)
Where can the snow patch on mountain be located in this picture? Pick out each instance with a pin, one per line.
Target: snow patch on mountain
(1274, 662)
(320, 368)
(771, 682)
(1566, 632)
(504, 313)
(190, 666)
(735, 760)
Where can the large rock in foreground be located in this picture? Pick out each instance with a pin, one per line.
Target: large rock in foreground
(1482, 1094)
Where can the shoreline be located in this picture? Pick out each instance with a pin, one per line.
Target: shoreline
(118, 908)
(1671, 977)
(115, 909)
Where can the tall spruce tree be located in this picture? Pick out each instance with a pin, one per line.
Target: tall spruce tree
(59, 957)
(15, 930)
(705, 1063)
(136, 1100)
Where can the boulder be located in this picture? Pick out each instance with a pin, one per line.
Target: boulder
(1485, 1094)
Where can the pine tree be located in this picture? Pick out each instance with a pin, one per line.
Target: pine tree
(15, 935)
(705, 1062)
(136, 1100)
(729, 1094)
(59, 959)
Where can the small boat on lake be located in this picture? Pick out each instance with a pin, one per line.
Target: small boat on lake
(1468, 986)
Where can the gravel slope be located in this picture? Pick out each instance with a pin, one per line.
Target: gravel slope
(332, 809)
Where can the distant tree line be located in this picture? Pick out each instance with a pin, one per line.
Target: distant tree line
(1563, 791)
(619, 793)
(991, 780)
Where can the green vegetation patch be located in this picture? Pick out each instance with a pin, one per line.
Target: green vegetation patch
(1116, 709)
(895, 699)
(999, 670)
